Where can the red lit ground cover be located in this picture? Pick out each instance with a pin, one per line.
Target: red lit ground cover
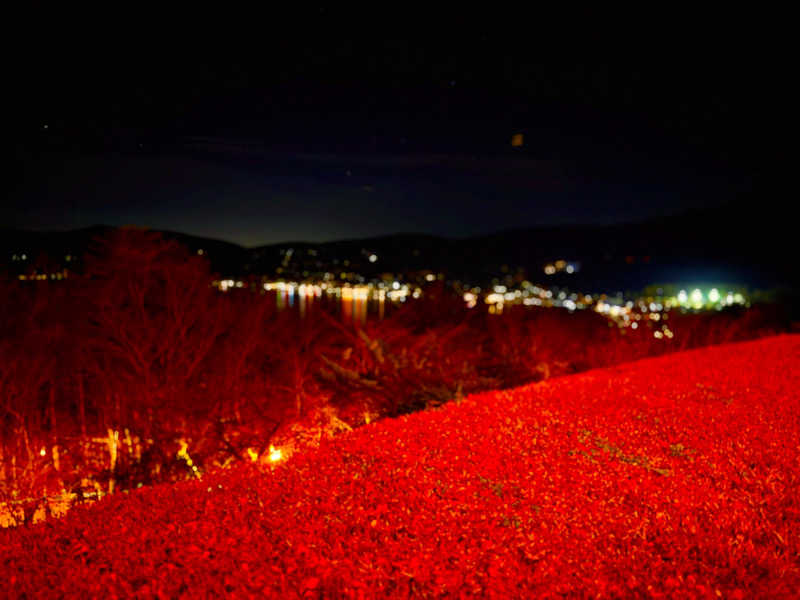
(676, 476)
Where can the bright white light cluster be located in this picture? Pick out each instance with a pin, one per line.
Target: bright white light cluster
(697, 299)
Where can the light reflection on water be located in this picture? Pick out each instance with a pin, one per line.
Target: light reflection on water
(355, 303)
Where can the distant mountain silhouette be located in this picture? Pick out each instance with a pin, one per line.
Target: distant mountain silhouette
(739, 242)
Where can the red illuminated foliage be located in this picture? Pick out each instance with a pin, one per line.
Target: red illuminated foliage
(668, 477)
(153, 319)
(113, 367)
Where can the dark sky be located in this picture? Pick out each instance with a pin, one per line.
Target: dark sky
(325, 125)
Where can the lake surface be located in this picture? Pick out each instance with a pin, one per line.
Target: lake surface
(355, 302)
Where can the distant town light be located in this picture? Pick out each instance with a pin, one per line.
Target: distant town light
(713, 295)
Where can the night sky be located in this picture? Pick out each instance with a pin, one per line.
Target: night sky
(327, 125)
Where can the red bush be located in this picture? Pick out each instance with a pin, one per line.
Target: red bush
(669, 477)
(142, 345)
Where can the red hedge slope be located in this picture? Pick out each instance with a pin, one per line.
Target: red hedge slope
(670, 477)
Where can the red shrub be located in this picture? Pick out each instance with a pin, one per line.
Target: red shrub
(669, 477)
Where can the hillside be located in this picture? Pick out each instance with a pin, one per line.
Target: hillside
(726, 243)
(674, 476)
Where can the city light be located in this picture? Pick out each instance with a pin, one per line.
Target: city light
(360, 296)
(494, 298)
(561, 266)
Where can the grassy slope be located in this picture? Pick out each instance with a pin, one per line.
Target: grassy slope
(676, 475)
